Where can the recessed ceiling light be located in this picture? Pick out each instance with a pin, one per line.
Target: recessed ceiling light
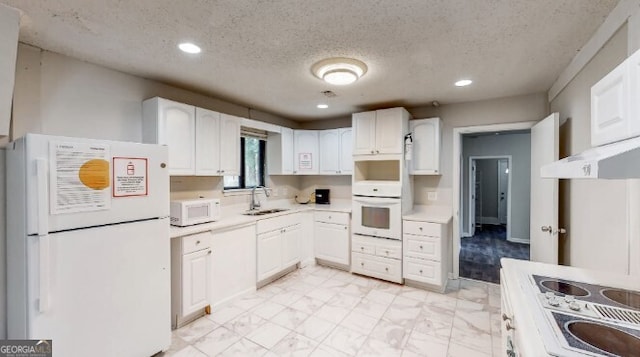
(463, 82)
(339, 70)
(189, 47)
(322, 106)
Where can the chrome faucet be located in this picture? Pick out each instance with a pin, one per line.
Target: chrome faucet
(256, 204)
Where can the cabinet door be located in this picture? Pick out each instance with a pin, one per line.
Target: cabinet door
(287, 151)
(425, 159)
(291, 245)
(305, 148)
(332, 242)
(229, 145)
(196, 269)
(233, 264)
(346, 151)
(634, 92)
(609, 107)
(329, 152)
(207, 145)
(269, 254)
(389, 135)
(177, 130)
(364, 133)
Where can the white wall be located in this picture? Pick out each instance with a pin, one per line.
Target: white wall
(518, 146)
(3, 248)
(594, 212)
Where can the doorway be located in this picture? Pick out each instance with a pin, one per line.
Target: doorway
(489, 193)
(518, 196)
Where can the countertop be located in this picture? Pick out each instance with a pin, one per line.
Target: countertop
(434, 214)
(232, 216)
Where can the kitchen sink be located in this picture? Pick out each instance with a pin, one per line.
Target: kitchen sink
(264, 211)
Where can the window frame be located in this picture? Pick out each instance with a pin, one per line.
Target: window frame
(262, 159)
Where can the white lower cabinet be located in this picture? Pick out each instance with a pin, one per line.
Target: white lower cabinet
(377, 257)
(278, 245)
(190, 277)
(332, 237)
(233, 265)
(425, 255)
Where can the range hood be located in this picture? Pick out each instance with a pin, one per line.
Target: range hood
(619, 160)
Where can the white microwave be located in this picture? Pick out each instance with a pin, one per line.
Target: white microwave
(194, 211)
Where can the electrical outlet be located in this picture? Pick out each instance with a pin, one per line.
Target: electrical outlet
(432, 196)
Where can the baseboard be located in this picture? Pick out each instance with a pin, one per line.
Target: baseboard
(489, 220)
(234, 296)
(465, 235)
(519, 240)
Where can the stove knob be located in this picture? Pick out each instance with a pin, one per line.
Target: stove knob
(569, 299)
(574, 306)
(549, 295)
(555, 302)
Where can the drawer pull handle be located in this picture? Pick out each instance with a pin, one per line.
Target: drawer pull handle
(387, 252)
(386, 269)
(361, 248)
(420, 228)
(420, 247)
(209, 252)
(329, 217)
(420, 271)
(362, 264)
(197, 242)
(345, 227)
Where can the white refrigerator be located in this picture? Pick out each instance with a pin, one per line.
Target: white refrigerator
(88, 250)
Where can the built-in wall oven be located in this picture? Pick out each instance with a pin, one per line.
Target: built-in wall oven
(377, 216)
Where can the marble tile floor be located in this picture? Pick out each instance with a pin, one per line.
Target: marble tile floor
(320, 311)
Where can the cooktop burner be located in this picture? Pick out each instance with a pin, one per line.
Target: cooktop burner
(564, 287)
(627, 298)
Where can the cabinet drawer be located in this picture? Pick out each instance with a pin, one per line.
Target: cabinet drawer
(422, 228)
(389, 251)
(332, 217)
(423, 247)
(196, 242)
(379, 267)
(362, 246)
(277, 223)
(424, 271)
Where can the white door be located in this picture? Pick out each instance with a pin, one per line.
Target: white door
(305, 149)
(544, 192)
(472, 197)
(346, 151)
(364, 133)
(287, 150)
(196, 276)
(329, 152)
(207, 142)
(291, 246)
(503, 189)
(269, 254)
(389, 135)
(332, 242)
(229, 145)
(176, 129)
(106, 286)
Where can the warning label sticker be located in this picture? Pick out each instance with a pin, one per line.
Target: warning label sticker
(130, 176)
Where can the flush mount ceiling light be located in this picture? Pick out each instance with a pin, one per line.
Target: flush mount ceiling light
(189, 47)
(322, 106)
(463, 82)
(339, 70)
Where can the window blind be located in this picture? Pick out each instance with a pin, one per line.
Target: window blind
(253, 133)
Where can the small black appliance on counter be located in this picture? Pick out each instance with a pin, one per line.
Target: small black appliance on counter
(322, 196)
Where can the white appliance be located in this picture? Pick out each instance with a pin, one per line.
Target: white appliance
(88, 248)
(194, 211)
(377, 216)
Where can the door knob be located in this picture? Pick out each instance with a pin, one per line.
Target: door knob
(546, 229)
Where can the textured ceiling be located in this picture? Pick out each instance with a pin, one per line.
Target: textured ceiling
(259, 53)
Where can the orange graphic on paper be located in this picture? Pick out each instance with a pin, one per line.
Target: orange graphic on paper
(95, 174)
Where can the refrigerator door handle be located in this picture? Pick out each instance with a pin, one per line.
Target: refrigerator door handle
(43, 233)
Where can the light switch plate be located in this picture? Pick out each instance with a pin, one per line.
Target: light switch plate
(432, 196)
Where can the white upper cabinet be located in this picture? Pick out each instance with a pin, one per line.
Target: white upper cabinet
(229, 145)
(614, 104)
(173, 124)
(336, 151)
(201, 142)
(425, 157)
(305, 152)
(280, 152)
(380, 131)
